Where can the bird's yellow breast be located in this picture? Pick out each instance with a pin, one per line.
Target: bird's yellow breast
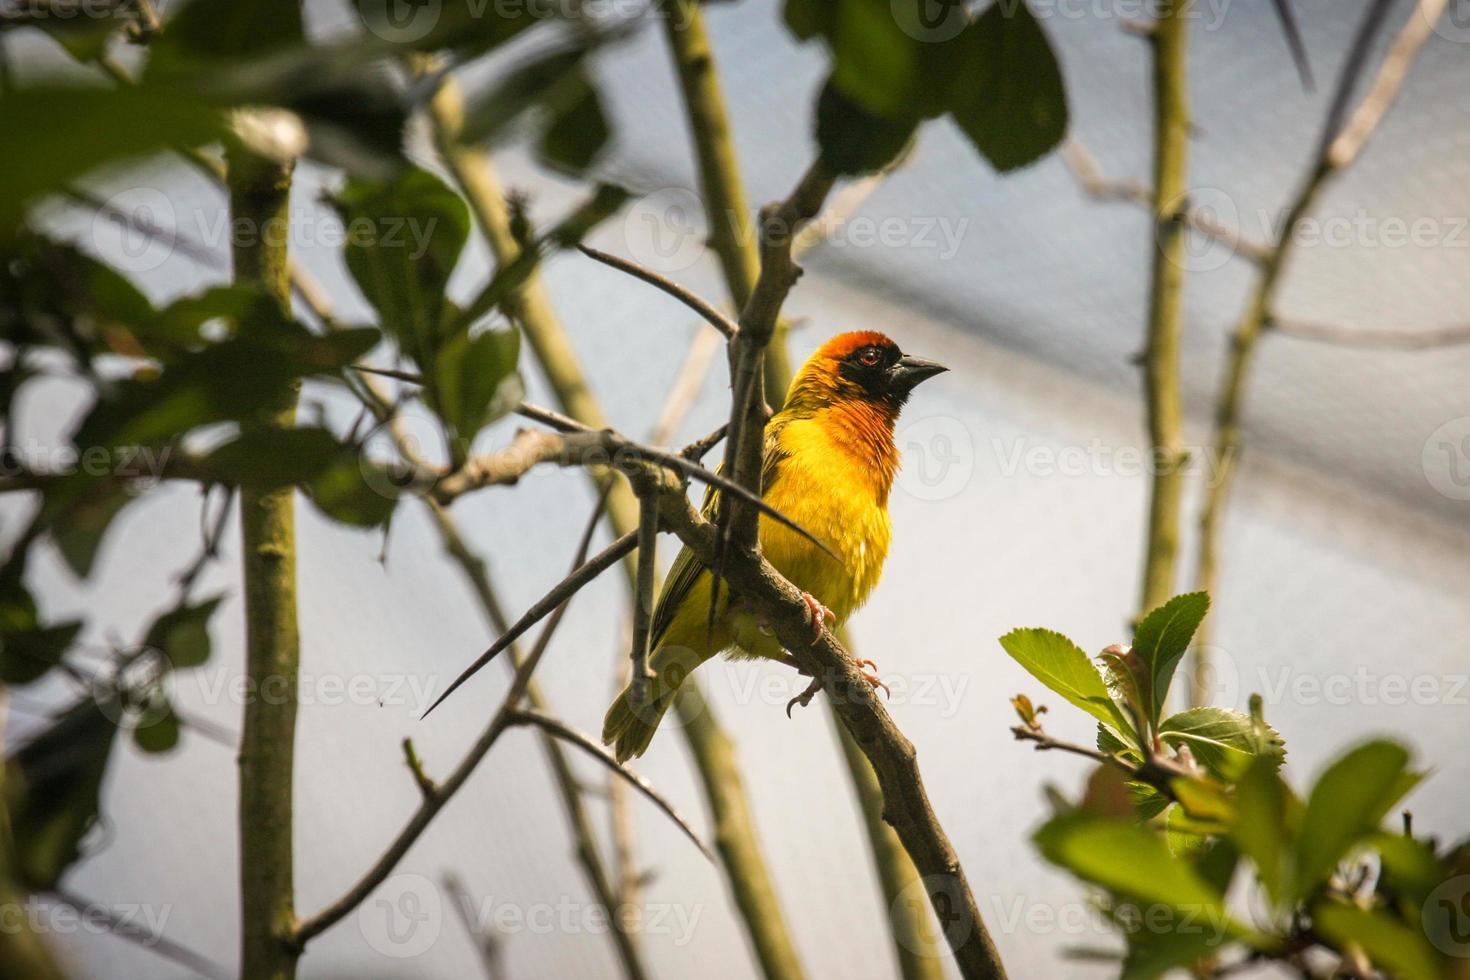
(841, 497)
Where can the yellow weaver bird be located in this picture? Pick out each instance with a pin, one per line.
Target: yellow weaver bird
(829, 465)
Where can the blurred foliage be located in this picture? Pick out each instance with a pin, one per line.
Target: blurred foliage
(182, 388)
(995, 76)
(1186, 806)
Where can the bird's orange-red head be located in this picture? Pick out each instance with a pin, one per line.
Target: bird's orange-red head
(860, 367)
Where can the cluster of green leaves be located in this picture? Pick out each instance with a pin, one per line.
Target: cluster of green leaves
(1189, 804)
(995, 76)
(209, 369)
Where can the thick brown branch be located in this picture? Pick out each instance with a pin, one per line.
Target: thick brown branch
(906, 806)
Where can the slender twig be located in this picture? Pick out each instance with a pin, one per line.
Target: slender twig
(487, 942)
(433, 802)
(643, 600)
(745, 437)
(589, 745)
(124, 928)
(727, 215)
(1336, 151)
(604, 447)
(1089, 176)
(712, 316)
(1345, 336)
(528, 303)
(553, 351)
(563, 591)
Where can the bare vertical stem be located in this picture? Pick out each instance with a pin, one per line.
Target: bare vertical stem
(1341, 143)
(478, 574)
(1168, 39)
(735, 835)
(727, 209)
(760, 913)
(728, 216)
(259, 191)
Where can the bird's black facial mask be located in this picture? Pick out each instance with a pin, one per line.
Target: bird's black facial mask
(886, 374)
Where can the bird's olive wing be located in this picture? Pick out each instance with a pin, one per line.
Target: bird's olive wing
(686, 569)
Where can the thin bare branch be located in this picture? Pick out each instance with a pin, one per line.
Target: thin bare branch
(154, 942)
(1089, 176)
(705, 309)
(1336, 150)
(434, 801)
(643, 599)
(563, 591)
(1346, 336)
(590, 745)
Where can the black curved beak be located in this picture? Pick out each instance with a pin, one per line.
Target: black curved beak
(910, 371)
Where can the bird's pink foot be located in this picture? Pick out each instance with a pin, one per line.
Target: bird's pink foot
(871, 676)
(817, 614)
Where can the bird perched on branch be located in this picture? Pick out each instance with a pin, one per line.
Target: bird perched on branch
(829, 464)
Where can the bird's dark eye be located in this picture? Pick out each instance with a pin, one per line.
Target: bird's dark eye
(869, 356)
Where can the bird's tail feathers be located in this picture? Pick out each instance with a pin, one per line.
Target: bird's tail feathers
(629, 728)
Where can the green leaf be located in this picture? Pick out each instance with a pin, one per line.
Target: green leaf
(182, 634)
(1222, 741)
(1403, 950)
(576, 135)
(1347, 804)
(211, 31)
(229, 381)
(1410, 868)
(404, 238)
(267, 458)
(1161, 640)
(28, 652)
(66, 298)
(79, 537)
(475, 381)
(335, 475)
(1261, 831)
(70, 131)
(160, 734)
(1008, 96)
(1059, 664)
(350, 492)
(53, 785)
(853, 140)
(1153, 953)
(1131, 862)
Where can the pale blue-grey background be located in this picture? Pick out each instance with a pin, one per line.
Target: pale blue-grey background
(1343, 565)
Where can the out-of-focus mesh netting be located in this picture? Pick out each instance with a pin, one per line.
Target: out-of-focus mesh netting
(1045, 269)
